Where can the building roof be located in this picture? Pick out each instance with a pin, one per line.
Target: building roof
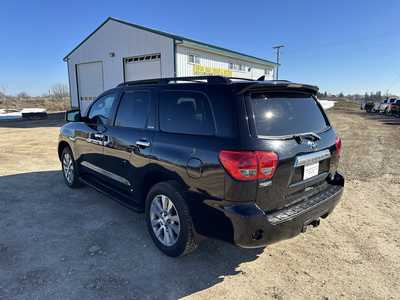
(181, 39)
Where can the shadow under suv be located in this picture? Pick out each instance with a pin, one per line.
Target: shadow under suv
(248, 162)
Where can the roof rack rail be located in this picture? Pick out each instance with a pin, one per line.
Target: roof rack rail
(279, 80)
(240, 78)
(210, 79)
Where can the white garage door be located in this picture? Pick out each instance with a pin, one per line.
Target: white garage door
(90, 83)
(142, 67)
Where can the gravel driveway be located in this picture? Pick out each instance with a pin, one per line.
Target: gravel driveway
(57, 243)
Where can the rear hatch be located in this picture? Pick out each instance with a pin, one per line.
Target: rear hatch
(291, 124)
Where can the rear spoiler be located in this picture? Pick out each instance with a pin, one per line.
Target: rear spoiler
(279, 85)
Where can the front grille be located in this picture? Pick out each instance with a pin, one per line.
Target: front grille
(303, 206)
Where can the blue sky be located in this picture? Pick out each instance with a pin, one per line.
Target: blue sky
(342, 46)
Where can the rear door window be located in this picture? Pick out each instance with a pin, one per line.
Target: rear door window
(286, 114)
(185, 112)
(135, 110)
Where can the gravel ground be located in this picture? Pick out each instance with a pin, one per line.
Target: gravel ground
(56, 243)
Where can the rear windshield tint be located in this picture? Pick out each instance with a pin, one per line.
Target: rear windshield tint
(286, 114)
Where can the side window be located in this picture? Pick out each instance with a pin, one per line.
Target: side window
(102, 107)
(185, 112)
(193, 59)
(135, 110)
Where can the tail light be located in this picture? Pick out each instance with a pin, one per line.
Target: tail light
(249, 165)
(338, 145)
(267, 163)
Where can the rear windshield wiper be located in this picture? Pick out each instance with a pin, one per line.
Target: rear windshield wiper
(312, 136)
(299, 137)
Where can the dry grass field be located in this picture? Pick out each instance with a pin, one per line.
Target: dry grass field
(50, 104)
(57, 243)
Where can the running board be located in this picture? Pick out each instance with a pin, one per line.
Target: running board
(114, 194)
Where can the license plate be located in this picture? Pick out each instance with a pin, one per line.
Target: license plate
(311, 170)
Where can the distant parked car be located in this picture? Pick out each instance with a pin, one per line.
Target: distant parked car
(375, 109)
(394, 108)
(383, 107)
(369, 106)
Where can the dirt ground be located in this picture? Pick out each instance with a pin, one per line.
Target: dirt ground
(56, 243)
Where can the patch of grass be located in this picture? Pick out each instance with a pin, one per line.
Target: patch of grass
(343, 104)
(51, 104)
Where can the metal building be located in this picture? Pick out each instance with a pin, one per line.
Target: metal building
(118, 51)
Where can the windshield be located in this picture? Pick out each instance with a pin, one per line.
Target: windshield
(286, 114)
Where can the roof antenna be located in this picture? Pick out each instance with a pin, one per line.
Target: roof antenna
(261, 78)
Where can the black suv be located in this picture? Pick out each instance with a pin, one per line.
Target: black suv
(249, 162)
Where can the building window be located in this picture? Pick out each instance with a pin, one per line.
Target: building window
(194, 59)
(233, 66)
(268, 72)
(238, 67)
(243, 68)
(142, 58)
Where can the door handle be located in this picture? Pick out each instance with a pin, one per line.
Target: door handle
(143, 143)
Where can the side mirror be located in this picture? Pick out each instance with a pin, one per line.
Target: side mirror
(73, 115)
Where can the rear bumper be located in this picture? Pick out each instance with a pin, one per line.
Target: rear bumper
(252, 227)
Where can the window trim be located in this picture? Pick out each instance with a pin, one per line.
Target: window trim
(214, 123)
(153, 109)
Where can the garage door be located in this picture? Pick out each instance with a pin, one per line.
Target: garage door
(90, 83)
(142, 67)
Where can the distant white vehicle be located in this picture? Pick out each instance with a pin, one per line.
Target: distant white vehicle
(16, 114)
(385, 104)
(376, 106)
(326, 104)
(10, 114)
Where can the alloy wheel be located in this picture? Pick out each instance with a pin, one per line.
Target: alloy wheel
(68, 167)
(164, 220)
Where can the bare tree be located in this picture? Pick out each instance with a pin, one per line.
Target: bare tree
(23, 95)
(3, 95)
(59, 91)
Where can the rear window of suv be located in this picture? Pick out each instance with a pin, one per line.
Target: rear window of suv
(286, 114)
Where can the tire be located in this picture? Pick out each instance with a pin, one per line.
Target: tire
(70, 169)
(170, 225)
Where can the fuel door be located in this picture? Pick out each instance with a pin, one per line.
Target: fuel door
(194, 167)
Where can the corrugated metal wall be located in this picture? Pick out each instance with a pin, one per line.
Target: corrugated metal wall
(211, 60)
(122, 41)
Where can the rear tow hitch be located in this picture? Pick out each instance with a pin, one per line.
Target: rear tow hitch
(313, 223)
